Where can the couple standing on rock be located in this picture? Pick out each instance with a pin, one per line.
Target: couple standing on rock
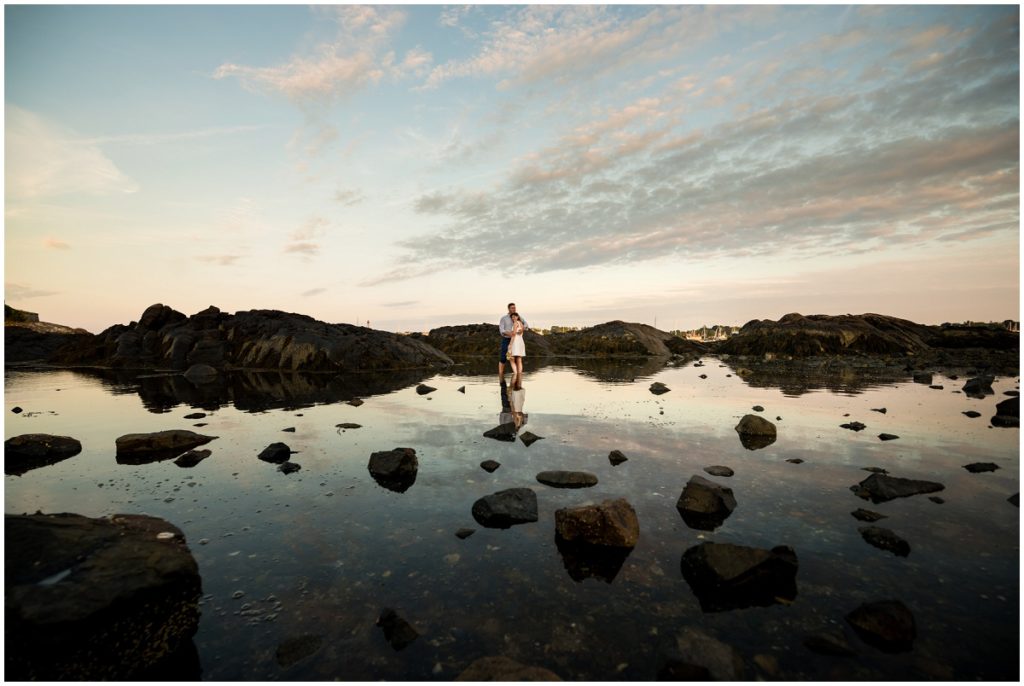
(512, 328)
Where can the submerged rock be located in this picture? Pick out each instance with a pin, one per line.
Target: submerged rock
(705, 505)
(1014, 500)
(880, 488)
(725, 576)
(395, 469)
(886, 624)
(200, 374)
(834, 644)
(697, 654)
(157, 446)
(504, 669)
(31, 451)
(296, 649)
(398, 632)
(564, 479)
(465, 533)
(99, 599)
(587, 561)
(885, 539)
(611, 523)
(506, 508)
(192, 458)
(276, 453)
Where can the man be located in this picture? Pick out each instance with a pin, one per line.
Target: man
(505, 329)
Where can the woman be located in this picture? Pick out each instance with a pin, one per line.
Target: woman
(517, 347)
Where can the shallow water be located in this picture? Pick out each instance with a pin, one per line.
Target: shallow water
(334, 548)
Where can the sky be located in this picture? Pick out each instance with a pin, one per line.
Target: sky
(419, 166)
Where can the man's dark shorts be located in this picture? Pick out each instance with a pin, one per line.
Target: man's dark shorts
(503, 357)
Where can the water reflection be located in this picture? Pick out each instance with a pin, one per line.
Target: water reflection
(797, 377)
(584, 561)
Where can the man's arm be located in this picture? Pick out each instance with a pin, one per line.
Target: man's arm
(505, 327)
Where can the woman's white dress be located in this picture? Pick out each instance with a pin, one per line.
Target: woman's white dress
(517, 348)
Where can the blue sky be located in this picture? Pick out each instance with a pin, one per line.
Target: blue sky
(418, 166)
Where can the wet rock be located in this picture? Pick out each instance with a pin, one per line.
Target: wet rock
(854, 426)
(506, 508)
(200, 374)
(1014, 500)
(718, 470)
(880, 488)
(465, 533)
(886, 624)
(98, 599)
(276, 453)
(611, 523)
(658, 388)
(398, 632)
(876, 470)
(502, 432)
(885, 539)
(161, 445)
(755, 432)
(348, 425)
(879, 409)
(725, 576)
(565, 479)
(296, 649)
(529, 439)
(867, 515)
(290, 429)
(355, 402)
(504, 669)
(757, 408)
(887, 437)
(694, 648)
(1007, 414)
(616, 458)
(971, 413)
(705, 505)
(979, 387)
(978, 467)
(923, 378)
(423, 389)
(490, 465)
(395, 469)
(936, 387)
(31, 451)
(195, 415)
(192, 458)
(834, 644)
(289, 467)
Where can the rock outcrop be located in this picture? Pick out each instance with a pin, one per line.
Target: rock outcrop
(26, 339)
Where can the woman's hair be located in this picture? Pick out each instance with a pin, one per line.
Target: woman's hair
(515, 315)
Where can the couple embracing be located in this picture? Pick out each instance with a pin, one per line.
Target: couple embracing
(512, 328)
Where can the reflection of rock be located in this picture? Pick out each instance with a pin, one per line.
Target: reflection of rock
(398, 632)
(725, 576)
(972, 414)
(867, 515)
(289, 467)
(978, 467)
(506, 508)
(156, 446)
(800, 376)
(504, 669)
(755, 432)
(609, 523)
(583, 560)
(299, 648)
(394, 469)
(276, 453)
(887, 625)
(1007, 413)
(885, 539)
(564, 479)
(923, 378)
(887, 437)
(704, 504)
(829, 644)
(1014, 500)
(192, 458)
(99, 599)
(31, 451)
(880, 488)
(697, 654)
(502, 432)
(200, 374)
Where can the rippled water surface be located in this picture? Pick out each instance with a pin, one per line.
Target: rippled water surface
(322, 551)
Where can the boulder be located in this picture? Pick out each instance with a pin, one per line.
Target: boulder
(490, 465)
(705, 505)
(32, 451)
(658, 388)
(192, 458)
(395, 469)
(755, 432)
(398, 632)
(564, 479)
(611, 523)
(504, 669)
(201, 373)
(725, 576)
(886, 624)
(885, 539)
(157, 446)
(880, 488)
(502, 432)
(1007, 414)
(979, 387)
(99, 599)
(616, 458)
(506, 508)
(276, 453)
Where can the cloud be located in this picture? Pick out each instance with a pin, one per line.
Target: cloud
(313, 291)
(306, 248)
(349, 196)
(311, 228)
(55, 244)
(43, 159)
(160, 138)
(16, 291)
(222, 260)
(402, 303)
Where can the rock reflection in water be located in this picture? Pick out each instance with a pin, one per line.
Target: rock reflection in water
(583, 560)
(797, 377)
(724, 576)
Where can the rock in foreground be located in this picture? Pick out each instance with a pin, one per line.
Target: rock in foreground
(395, 469)
(156, 446)
(506, 508)
(99, 599)
(725, 576)
(31, 451)
(705, 505)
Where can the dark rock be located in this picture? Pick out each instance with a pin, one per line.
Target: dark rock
(1012, 393)
(490, 465)
(971, 413)
(885, 539)
(658, 388)
(695, 649)
(703, 376)
(978, 467)
(829, 644)
(394, 469)
(879, 409)
(876, 470)
(757, 408)
(887, 625)
(16, 410)
(200, 374)
(502, 432)
(398, 632)
(192, 458)
(296, 649)
(348, 425)
(936, 499)
(290, 429)
(276, 453)
(616, 458)
(718, 470)
(98, 599)
(923, 378)
(611, 523)
(705, 505)
(880, 488)
(853, 426)
(288, 467)
(795, 460)
(195, 415)
(725, 576)
(461, 389)
(755, 432)
(936, 387)
(564, 479)
(465, 533)
(867, 515)
(887, 437)
(1014, 500)
(423, 389)
(529, 439)
(161, 445)
(355, 402)
(1007, 414)
(824, 335)
(506, 508)
(979, 387)
(31, 451)
(504, 669)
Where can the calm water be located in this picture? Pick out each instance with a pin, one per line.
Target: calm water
(331, 548)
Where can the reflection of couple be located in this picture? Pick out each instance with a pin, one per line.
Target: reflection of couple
(512, 328)
(512, 398)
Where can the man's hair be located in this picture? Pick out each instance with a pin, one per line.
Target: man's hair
(510, 305)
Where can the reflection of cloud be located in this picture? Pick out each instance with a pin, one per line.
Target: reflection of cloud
(222, 260)
(55, 244)
(16, 291)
